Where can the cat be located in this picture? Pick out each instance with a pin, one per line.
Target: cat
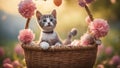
(48, 36)
(48, 23)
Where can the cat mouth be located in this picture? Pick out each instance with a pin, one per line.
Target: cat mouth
(49, 25)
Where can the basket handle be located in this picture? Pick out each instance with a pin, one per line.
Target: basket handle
(92, 19)
(27, 23)
(89, 13)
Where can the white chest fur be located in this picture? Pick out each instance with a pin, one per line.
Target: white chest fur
(48, 36)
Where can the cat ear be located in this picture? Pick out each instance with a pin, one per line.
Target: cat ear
(38, 15)
(54, 13)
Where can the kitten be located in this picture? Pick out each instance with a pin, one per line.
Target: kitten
(48, 23)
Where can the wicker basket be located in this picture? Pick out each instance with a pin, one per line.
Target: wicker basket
(60, 57)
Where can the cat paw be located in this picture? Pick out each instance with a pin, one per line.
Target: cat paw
(44, 45)
(98, 42)
(58, 44)
(32, 43)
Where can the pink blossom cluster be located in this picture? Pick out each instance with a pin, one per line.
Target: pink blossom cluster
(106, 50)
(99, 28)
(7, 63)
(115, 60)
(82, 3)
(100, 49)
(27, 8)
(75, 43)
(86, 39)
(100, 66)
(18, 49)
(88, 20)
(26, 36)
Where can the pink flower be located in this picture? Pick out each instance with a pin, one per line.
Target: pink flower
(88, 1)
(81, 3)
(88, 20)
(113, 1)
(109, 50)
(100, 49)
(1, 51)
(99, 28)
(115, 60)
(7, 60)
(110, 62)
(16, 64)
(27, 8)
(26, 36)
(18, 49)
(118, 66)
(7, 65)
(75, 43)
(86, 39)
(100, 66)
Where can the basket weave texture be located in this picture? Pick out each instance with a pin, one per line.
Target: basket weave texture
(60, 57)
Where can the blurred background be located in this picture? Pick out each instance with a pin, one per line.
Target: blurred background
(69, 15)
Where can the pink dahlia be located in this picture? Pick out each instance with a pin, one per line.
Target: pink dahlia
(75, 43)
(27, 8)
(88, 20)
(82, 3)
(7, 65)
(16, 64)
(100, 66)
(118, 66)
(18, 49)
(113, 1)
(109, 50)
(7, 60)
(26, 36)
(99, 28)
(100, 49)
(116, 60)
(88, 1)
(86, 39)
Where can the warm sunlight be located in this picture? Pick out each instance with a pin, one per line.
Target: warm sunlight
(9, 6)
(67, 13)
(60, 33)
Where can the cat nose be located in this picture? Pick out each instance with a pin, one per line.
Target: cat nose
(48, 23)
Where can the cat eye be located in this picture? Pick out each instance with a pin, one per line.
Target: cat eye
(44, 20)
(51, 19)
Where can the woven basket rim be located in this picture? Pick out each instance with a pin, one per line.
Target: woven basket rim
(36, 47)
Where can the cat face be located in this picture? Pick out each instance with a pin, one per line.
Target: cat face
(47, 22)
